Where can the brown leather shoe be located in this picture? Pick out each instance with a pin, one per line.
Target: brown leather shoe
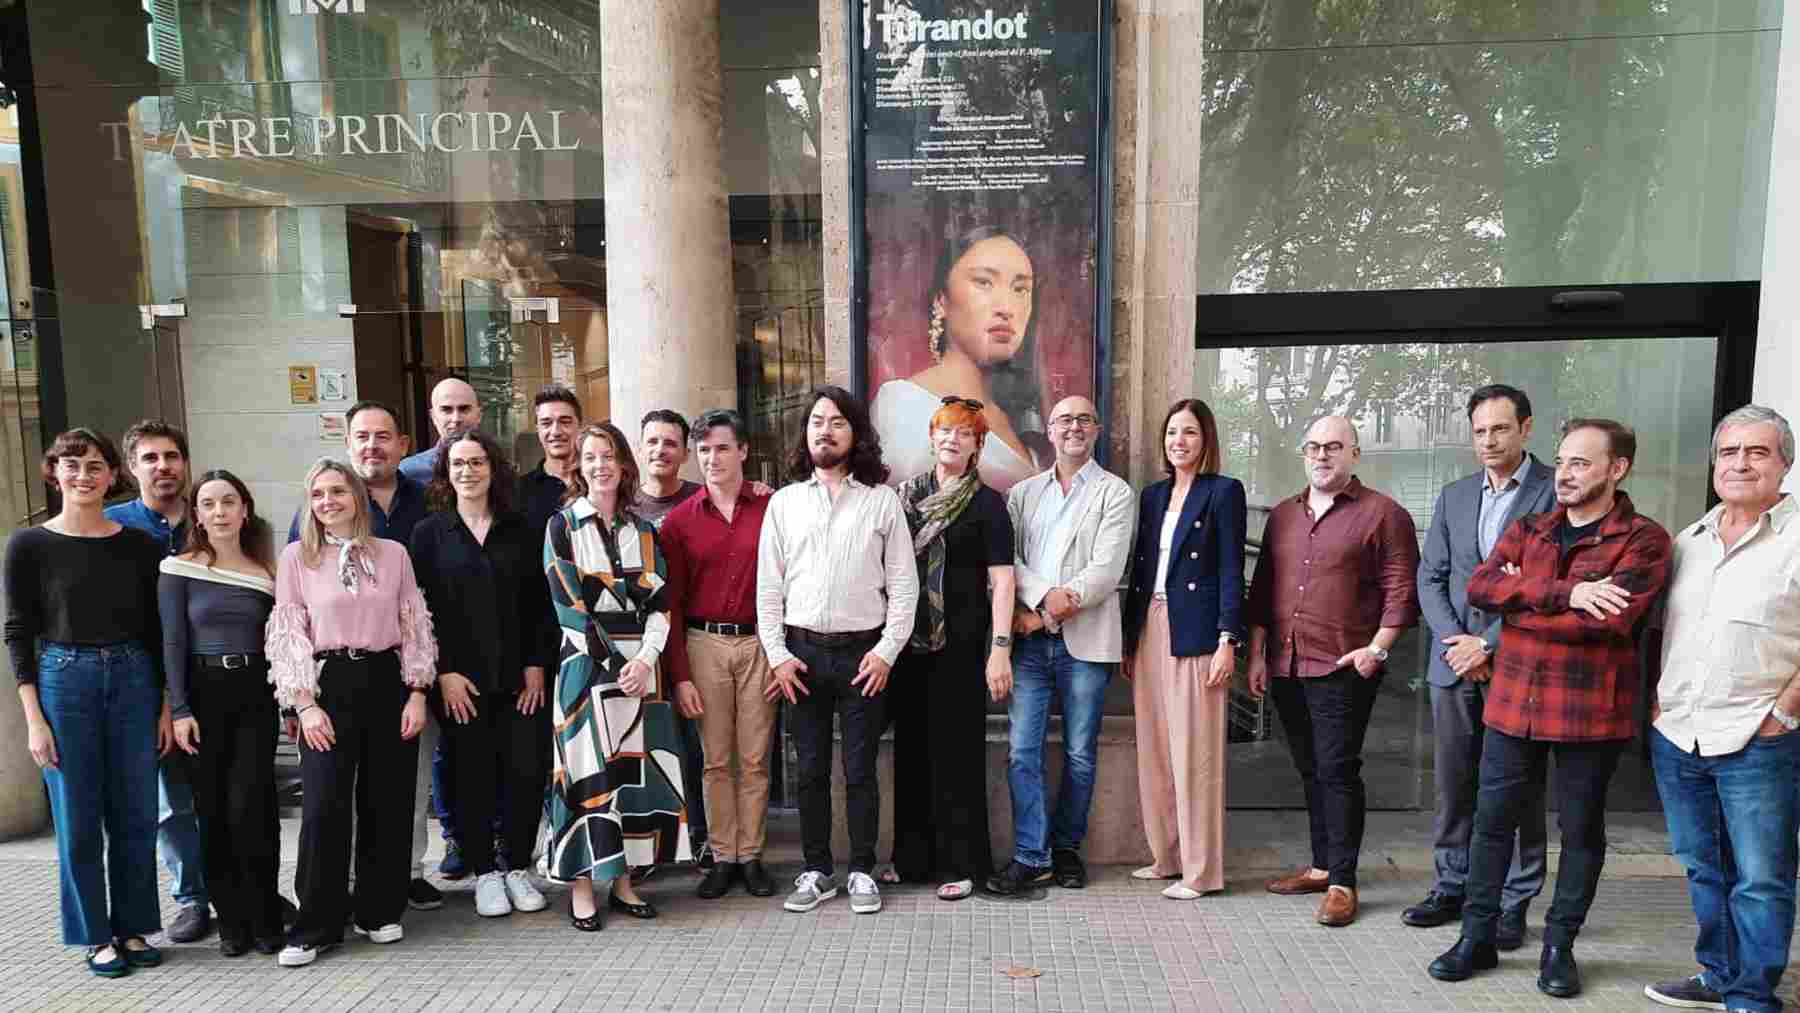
(1297, 883)
(1338, 908)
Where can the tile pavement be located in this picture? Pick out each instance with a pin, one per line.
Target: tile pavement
(1115, 946)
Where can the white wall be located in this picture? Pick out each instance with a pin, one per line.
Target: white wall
(253, 312)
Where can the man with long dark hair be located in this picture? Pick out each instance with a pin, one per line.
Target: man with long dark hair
(836, 590)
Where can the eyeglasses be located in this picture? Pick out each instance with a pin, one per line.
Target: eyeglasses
(1083, 421)
(1331, 449)
(973, 405)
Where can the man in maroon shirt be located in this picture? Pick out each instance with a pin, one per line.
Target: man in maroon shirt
(719, 668)
(1572, 587)
(1333, 590)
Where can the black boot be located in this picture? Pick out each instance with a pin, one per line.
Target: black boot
(1509, 934)
(1557, 973)
(1460, 962)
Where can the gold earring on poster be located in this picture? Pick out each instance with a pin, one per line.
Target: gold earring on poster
(934, 335)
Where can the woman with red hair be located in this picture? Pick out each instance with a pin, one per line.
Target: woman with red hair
(960, 656)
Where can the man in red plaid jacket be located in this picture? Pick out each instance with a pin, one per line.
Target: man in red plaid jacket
(1573, 586)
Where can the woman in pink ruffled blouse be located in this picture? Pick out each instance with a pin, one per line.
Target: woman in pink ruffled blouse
(350, 649)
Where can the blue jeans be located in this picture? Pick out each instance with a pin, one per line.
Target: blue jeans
(102, 704)
(1732, 821)
(1043, 669)
(178, 832)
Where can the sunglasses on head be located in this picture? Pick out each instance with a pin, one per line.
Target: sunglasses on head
(974, 405)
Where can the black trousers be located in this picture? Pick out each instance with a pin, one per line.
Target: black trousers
(372, 768)
(500, 764)
(1513, 775)
(1325, 719)
(939, 707)
(233, 778)
(829, 670)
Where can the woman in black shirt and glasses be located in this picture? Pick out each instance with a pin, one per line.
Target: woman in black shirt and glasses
(479, 566)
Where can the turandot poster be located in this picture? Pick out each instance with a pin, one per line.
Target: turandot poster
(982, 189)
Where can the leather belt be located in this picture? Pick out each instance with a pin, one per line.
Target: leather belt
(807, 636)
(350, 653)
(232, 661)
(723, 629)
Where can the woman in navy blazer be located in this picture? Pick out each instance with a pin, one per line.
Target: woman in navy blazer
(1182, 624)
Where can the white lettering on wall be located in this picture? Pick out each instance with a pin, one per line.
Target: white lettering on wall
(350, 135)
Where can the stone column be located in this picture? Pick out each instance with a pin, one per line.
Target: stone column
(1157, 74)
(1778, 328)
(836, 92)
(668, 253)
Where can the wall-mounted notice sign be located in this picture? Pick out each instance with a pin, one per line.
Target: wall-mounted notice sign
(331, 427)
(303, 384)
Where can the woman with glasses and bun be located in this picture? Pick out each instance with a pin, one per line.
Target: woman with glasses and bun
(86, 648)
(959, 658)
(216, 597)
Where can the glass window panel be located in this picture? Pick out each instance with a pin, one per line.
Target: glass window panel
(1639, 158)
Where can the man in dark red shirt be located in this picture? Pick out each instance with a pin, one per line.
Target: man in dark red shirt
(719, 668)
(1572, 586)
(1333, 590)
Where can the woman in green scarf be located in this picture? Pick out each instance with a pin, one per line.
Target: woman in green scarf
(959, 658)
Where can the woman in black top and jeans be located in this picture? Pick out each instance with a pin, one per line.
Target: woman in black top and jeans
(216, 597)
(480, 569)
(82, 631)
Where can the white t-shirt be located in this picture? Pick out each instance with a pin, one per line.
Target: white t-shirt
(1166, 541)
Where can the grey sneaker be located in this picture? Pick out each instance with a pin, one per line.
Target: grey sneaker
(865, 896)
(810, 890)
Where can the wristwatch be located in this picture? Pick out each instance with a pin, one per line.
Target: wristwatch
(1788, 721)
(1002, 640)
(1380, 653)
(1228, 637)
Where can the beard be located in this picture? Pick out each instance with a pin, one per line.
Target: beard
(827, 457)
(1580, 495)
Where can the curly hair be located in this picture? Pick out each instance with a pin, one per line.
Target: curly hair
(865, 444)
(502, 477)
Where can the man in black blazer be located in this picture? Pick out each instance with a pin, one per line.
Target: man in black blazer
(1470, 515)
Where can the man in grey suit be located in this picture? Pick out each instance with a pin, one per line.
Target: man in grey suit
(1470, 516)
(1072, 530)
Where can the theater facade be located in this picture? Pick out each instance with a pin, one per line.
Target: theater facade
(243, 215)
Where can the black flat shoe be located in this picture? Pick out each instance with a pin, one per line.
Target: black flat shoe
(756, 879)
(1067, 867)
(233, 947)
(144, 956)
(1557, 973)
(1510, 933)
(1460, 962)
(1436, 909)
(592, 923)
(644, 910)
(268, 946)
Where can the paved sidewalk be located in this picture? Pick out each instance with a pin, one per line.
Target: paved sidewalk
(1115, 946)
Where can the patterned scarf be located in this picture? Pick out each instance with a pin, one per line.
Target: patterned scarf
(929, 510)
(353, 563)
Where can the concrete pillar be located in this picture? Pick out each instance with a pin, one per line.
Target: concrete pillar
(1157, 71)
(836, 92)
(669, 301)
(1778, 328)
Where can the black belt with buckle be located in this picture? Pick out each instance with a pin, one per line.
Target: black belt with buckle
(233, 661)
(351, 654)
(723, 629)
(807, 636)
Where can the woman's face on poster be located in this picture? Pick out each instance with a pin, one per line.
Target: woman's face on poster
(987, 301)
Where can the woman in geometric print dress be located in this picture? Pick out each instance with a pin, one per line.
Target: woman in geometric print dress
(616, 794)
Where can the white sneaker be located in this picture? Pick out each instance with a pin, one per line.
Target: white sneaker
(389, 933)
(490, 896)
(524, 896)
(810, 890)
(865, 896)
(297, 956)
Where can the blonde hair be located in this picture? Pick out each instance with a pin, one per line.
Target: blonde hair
(312, 533)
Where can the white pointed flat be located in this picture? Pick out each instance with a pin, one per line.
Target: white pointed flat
(1180, 891)
(1149, 872)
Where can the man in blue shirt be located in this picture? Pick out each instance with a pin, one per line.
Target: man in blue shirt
(157, 454)
(454, 410)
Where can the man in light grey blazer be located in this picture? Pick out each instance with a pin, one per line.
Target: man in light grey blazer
(1072, 530)
(1470, 516)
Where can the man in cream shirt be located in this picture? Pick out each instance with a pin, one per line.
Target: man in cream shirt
(1725, 745)
(1073, 529)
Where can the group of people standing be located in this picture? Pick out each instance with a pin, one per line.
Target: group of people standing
(601, 627)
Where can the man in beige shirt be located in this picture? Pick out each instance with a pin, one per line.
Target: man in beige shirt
(836, 590)
(1726, 752)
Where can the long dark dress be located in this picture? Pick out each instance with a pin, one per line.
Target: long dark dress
(939, 702)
